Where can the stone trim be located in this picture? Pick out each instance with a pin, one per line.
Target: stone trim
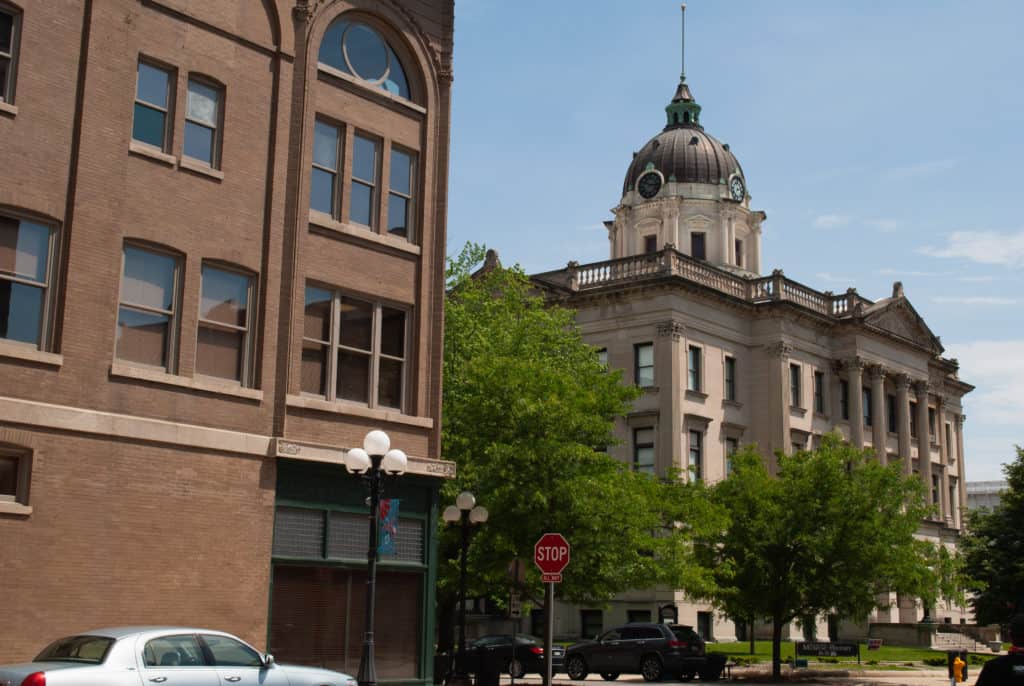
(203, 384)
(357, 410)
(29, 353)
(302, 450)
(674, 329)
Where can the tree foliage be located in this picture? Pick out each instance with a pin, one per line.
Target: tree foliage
(993, 551)
(825, 535)
(528, 411)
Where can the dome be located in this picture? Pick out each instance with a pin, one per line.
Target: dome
(683, 152)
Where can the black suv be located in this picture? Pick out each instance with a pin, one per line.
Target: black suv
(654, 651)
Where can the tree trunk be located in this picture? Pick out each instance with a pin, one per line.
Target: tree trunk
(776, 649)
(753, 650)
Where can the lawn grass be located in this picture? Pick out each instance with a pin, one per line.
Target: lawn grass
(885, 654)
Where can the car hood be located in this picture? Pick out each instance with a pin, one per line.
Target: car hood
(315, 675)
(582, 644)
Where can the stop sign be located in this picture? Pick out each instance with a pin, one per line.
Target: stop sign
(551, 553)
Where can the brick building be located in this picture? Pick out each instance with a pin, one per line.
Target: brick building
(222, 230)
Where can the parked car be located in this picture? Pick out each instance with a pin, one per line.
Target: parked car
(529, 654)
(133, 656)
(655, 651)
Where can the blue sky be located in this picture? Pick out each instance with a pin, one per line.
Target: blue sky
(882, 138)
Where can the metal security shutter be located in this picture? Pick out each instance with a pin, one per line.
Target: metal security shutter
(298, 533)
(347, 537)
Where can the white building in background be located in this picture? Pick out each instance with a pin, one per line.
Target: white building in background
(984, 494)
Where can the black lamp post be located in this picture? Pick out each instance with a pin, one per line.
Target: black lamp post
(465, 512)
(372, 461)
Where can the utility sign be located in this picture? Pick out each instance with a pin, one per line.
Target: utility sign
(551, 555)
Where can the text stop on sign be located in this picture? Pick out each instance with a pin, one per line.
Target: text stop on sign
(551, 554)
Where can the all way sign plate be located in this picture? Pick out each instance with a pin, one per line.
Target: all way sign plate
(551, 578)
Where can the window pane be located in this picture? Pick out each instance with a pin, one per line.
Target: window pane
(152, 85)
(645, 355)
(392, 332)
(148, 126)
(142, 337)
(219, 353)
(644, 435)
(697, 246)
(356, 324)
(148, 279)
(21, 312)
(203, 103)
(389, 391)
(325, 145)
(225, 297)
(198, 142)
(5, 64)
(645, 460)
(364, 159)
(401, 172)
(8, 477)
(398, 215)
(367, 53)
(318, 314)
(645, 376)
(361, 210)
(6, 32)
(353, 376)
(173, 651)
(321, 191)
(24, 248)
(314, 368)
(396, 82)
(227, 652)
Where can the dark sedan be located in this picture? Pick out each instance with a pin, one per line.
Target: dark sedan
(529, 655)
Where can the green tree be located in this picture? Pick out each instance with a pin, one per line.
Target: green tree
(528, 412)
(993, 551)
(828, 533)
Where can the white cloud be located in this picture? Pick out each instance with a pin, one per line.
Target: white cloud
(889, 271)
(908, 171)
(886, 225)
(976, 279)
(830, 221)
(974, 300)
(833, 278)
(985, 247)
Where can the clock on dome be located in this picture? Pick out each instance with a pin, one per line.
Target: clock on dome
(736, 190)
(649, 184)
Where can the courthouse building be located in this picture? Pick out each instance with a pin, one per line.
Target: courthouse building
(728, 355)
(222, 231)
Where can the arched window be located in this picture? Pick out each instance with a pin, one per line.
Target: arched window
(358, 49)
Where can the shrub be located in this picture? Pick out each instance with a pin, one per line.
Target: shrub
(935, 661)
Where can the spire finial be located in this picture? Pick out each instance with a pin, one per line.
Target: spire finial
(682, 46)
(683, 110)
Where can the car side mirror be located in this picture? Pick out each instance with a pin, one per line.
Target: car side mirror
(268, 660)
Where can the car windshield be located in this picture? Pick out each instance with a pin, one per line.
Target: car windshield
(685, 634)
(86, 649)
(521, 639)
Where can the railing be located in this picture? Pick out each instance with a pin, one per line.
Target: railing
(670, 262)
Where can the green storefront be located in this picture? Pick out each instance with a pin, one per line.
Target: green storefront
(318, 579)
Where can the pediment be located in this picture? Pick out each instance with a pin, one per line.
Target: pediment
(899, 318)
(698, 221)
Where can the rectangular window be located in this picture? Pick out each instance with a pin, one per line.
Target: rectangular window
(353, 349)
(602, 356)
(739, 252)
(890, 413)
(794, 386)
(365, 170)
(153, 105)
(693, 371)
(650, 244)
(323, 182)
(932, 432)
(643, 450)
(9, 25)
(865, 402)
(591, 623)
(844, 399)
(698, 250)
(147, 315)
(224, 347)
(26, 274)
(819, 392)
(202, 122)
(8, 477)
(949, 440)
(732, 445)
(730, 378)
(643, 364)
(913, 419)
(935, 488)
(697, 454)
(400, 194)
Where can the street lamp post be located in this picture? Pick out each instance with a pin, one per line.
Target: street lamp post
(372, 462)
(465, 512)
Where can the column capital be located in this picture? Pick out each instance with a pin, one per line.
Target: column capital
(673, 329)
(901, 381)
(960, 419)
(854, 364)
(780, 349)
(920, 389)
(877, 372)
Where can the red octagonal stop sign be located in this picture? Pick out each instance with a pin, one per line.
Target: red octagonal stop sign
(551, 553)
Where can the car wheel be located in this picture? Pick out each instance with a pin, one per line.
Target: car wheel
(650, 668)
(515, 669)
(609, 676)
(576, 667)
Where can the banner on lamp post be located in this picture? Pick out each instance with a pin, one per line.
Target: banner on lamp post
(388, 526)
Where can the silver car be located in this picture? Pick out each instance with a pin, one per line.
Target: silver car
(172, 656)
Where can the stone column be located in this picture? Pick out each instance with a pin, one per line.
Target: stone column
(723, 229)
(940, 437)
(924, 455)
(778, 360)
(669, 379)
(855, 375)
(903, 421)
(878, 416)
(961, 481)
(755, 250)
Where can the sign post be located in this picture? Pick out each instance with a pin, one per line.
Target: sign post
(551, 555)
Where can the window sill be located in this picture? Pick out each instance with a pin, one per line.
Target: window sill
(205, 384)
(798, 411)
(329, 223)
(8, 109)
(200, 168)
(820, 415)
(354, 409)
(732, 403)
(30, 353)
(379, 92)
(152, 153)
(15, 508)
(696, 396)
